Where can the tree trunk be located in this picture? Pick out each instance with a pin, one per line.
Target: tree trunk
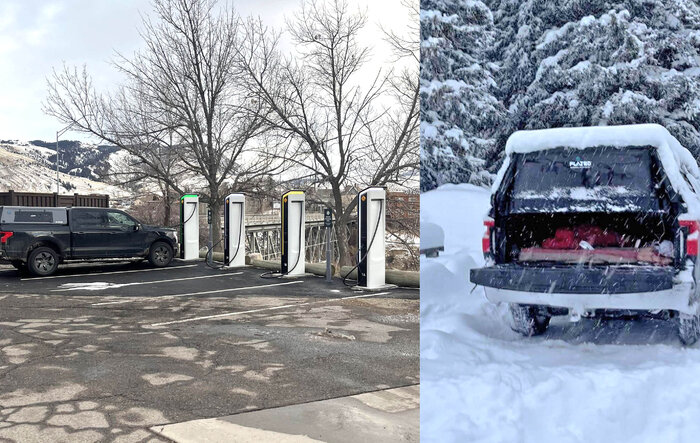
(215, 205)
(345, 251)
(167, 209)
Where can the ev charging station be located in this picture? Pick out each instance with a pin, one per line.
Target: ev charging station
(189, 227)
(371, 216)
(234, 231)
(293, 234)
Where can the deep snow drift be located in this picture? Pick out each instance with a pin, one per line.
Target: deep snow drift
(587, 381)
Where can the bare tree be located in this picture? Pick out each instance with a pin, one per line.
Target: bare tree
(153, 139)
(183, 85)
(330, 123)
(407, 44)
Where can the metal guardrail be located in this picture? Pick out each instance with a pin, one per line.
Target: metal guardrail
(265, 239)
(275, 219)
(264, 236)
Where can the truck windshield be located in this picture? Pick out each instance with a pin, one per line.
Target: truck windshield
(599, 173)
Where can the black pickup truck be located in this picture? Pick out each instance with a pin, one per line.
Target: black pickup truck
(38, 239)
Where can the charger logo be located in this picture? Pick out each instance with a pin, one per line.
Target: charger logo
(580, 164)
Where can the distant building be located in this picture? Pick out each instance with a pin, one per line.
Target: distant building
(402, 206)
(315, 197)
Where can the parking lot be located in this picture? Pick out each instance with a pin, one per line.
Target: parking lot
(107, 351)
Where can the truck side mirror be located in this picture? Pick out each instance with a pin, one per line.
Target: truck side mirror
(137, 227)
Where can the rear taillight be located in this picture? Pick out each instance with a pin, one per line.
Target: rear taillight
(4, 235)
(489, 223)
(691, 242)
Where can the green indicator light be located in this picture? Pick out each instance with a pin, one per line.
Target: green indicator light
(188, 195)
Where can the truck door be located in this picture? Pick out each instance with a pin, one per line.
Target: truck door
(125, 234)
(89, 233)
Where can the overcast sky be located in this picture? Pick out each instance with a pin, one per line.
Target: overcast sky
(37, 35)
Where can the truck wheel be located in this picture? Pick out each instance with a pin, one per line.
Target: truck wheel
(688, 328)
(529, 320)
(43, 261)
(161, 254)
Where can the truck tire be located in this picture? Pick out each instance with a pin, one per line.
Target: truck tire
(529, 320)
(160, 254)
(688, 328)
(43, 261)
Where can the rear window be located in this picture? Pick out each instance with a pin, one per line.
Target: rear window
(33, 215)
(89, 218)
(598, 173)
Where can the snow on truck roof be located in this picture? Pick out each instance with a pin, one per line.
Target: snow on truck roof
(676, 160)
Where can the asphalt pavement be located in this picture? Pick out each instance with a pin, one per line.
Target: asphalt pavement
(105, 352)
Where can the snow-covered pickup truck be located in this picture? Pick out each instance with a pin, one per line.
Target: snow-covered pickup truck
(594, 222)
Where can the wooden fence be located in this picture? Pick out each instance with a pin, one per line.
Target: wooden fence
(34, 199)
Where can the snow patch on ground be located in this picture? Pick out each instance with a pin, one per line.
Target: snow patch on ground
(94, 286)
(580, 382)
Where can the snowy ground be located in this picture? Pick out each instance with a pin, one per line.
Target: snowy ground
(588, 381)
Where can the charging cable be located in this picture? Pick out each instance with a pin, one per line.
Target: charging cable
(188, 218)
(369, 247)
(210, 251)
(273, 274)
(182, 225)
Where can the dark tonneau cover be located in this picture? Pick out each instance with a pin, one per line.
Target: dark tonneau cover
(602, 179)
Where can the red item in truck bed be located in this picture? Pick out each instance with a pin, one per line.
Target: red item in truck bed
(564, 238)
(597, 236)
(570, 238)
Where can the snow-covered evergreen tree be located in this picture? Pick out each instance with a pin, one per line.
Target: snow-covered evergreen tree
(459, 111)
(638, 62)
(563, 63)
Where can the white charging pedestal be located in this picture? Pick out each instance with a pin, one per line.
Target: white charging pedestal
(234, 231)
(189, 227)
(371, 216)
(293, 234)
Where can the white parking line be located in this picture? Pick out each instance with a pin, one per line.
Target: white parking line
(253, 311)
(133, 299)
(77, 286)
(106, 273)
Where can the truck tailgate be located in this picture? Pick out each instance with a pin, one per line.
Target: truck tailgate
(575, 279)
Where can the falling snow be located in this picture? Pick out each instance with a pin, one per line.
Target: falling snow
(594, 380)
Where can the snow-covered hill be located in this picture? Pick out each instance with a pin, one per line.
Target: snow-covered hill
(77, 158)
(586, 381)
(27, 167)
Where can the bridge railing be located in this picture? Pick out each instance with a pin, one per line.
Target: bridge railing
(265, 239)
